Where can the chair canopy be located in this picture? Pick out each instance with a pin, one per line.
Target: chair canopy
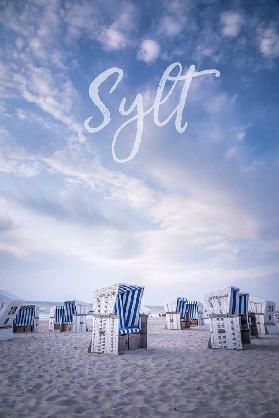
(181, 306)
(243, 303)
(59, 314)
(69, 311)
(127, 307)
(25, 316)
(194, 308)
(123, 300)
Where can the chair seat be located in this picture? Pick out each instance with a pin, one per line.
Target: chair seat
(123, 331)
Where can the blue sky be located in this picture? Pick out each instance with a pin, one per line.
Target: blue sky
(191, 211)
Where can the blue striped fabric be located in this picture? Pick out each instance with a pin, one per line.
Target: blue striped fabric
(127, 307)
(181, 306)
(69, 311)
(192, 308)
(123, 331)
(243, 303)
(235, 300)
(25, 316)
(59, 314)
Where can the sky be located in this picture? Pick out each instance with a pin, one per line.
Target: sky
(192, 211)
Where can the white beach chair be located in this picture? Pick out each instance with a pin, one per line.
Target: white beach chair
(27, 319)
(74, 318)
(264, 312)
(222, 307)
(9, 307)
(55, 317)
(182, 313)
(176, 317)
(117, 323)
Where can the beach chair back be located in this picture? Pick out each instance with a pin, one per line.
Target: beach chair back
(222, 301)
(27, 317)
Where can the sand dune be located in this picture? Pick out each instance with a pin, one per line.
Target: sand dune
(52, 375)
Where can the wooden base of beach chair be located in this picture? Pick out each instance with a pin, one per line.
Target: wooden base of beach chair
(245, 336)
(134, 341)
(66, 327)
(185, 324)
(123, 343)
(143, 341)
(20, 330)
(194, 322)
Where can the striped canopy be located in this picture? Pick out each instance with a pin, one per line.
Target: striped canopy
(127, 307)
(25, 316)
(59, 314)
(69, 311)
(181, 306)
(193, 309)
(243, 303)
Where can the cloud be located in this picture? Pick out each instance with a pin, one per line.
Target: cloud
(149, 51)
(113, 39)
(231, 23)
(268, 41)
(171, 26)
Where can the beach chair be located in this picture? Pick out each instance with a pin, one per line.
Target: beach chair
(27, 319)
(9, 307)
(74, 317)
(177, 316)
(195, 310)
(55, 317)
(117, 323)
(222, 307)
(264, 313)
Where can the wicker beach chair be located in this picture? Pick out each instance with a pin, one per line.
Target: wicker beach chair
(56, 315)
(9, 307)
(117, 323)
(227, 310)
(27, 319)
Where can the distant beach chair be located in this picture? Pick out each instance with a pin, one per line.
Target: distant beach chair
(177, 317)
(117, 323)
(227, 312)
(262, 316)
(27, 319)
(74, 318)
(9, 307)
(56, 315)
(195, 310)
(181, 313)
(71, 316)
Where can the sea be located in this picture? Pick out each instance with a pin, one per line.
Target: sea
(46, 305)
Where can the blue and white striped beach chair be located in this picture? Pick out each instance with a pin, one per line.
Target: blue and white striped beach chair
(56, 316)
(175, 310)
(116, 314)
(27, 319)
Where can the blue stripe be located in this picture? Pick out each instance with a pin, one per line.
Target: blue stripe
(25, 316)
(127, 307)
(234, 296)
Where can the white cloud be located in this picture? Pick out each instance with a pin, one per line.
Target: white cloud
(231, 23)
(269, 43)
(149, 51)
(111, 38)
(171, 26)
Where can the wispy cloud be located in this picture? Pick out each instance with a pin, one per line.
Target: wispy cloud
(149, 51)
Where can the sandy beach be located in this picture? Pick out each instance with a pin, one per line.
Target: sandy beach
(51, 374)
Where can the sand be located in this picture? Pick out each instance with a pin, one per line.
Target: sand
(51, 374)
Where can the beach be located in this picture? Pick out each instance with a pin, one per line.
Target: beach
(51, 374)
